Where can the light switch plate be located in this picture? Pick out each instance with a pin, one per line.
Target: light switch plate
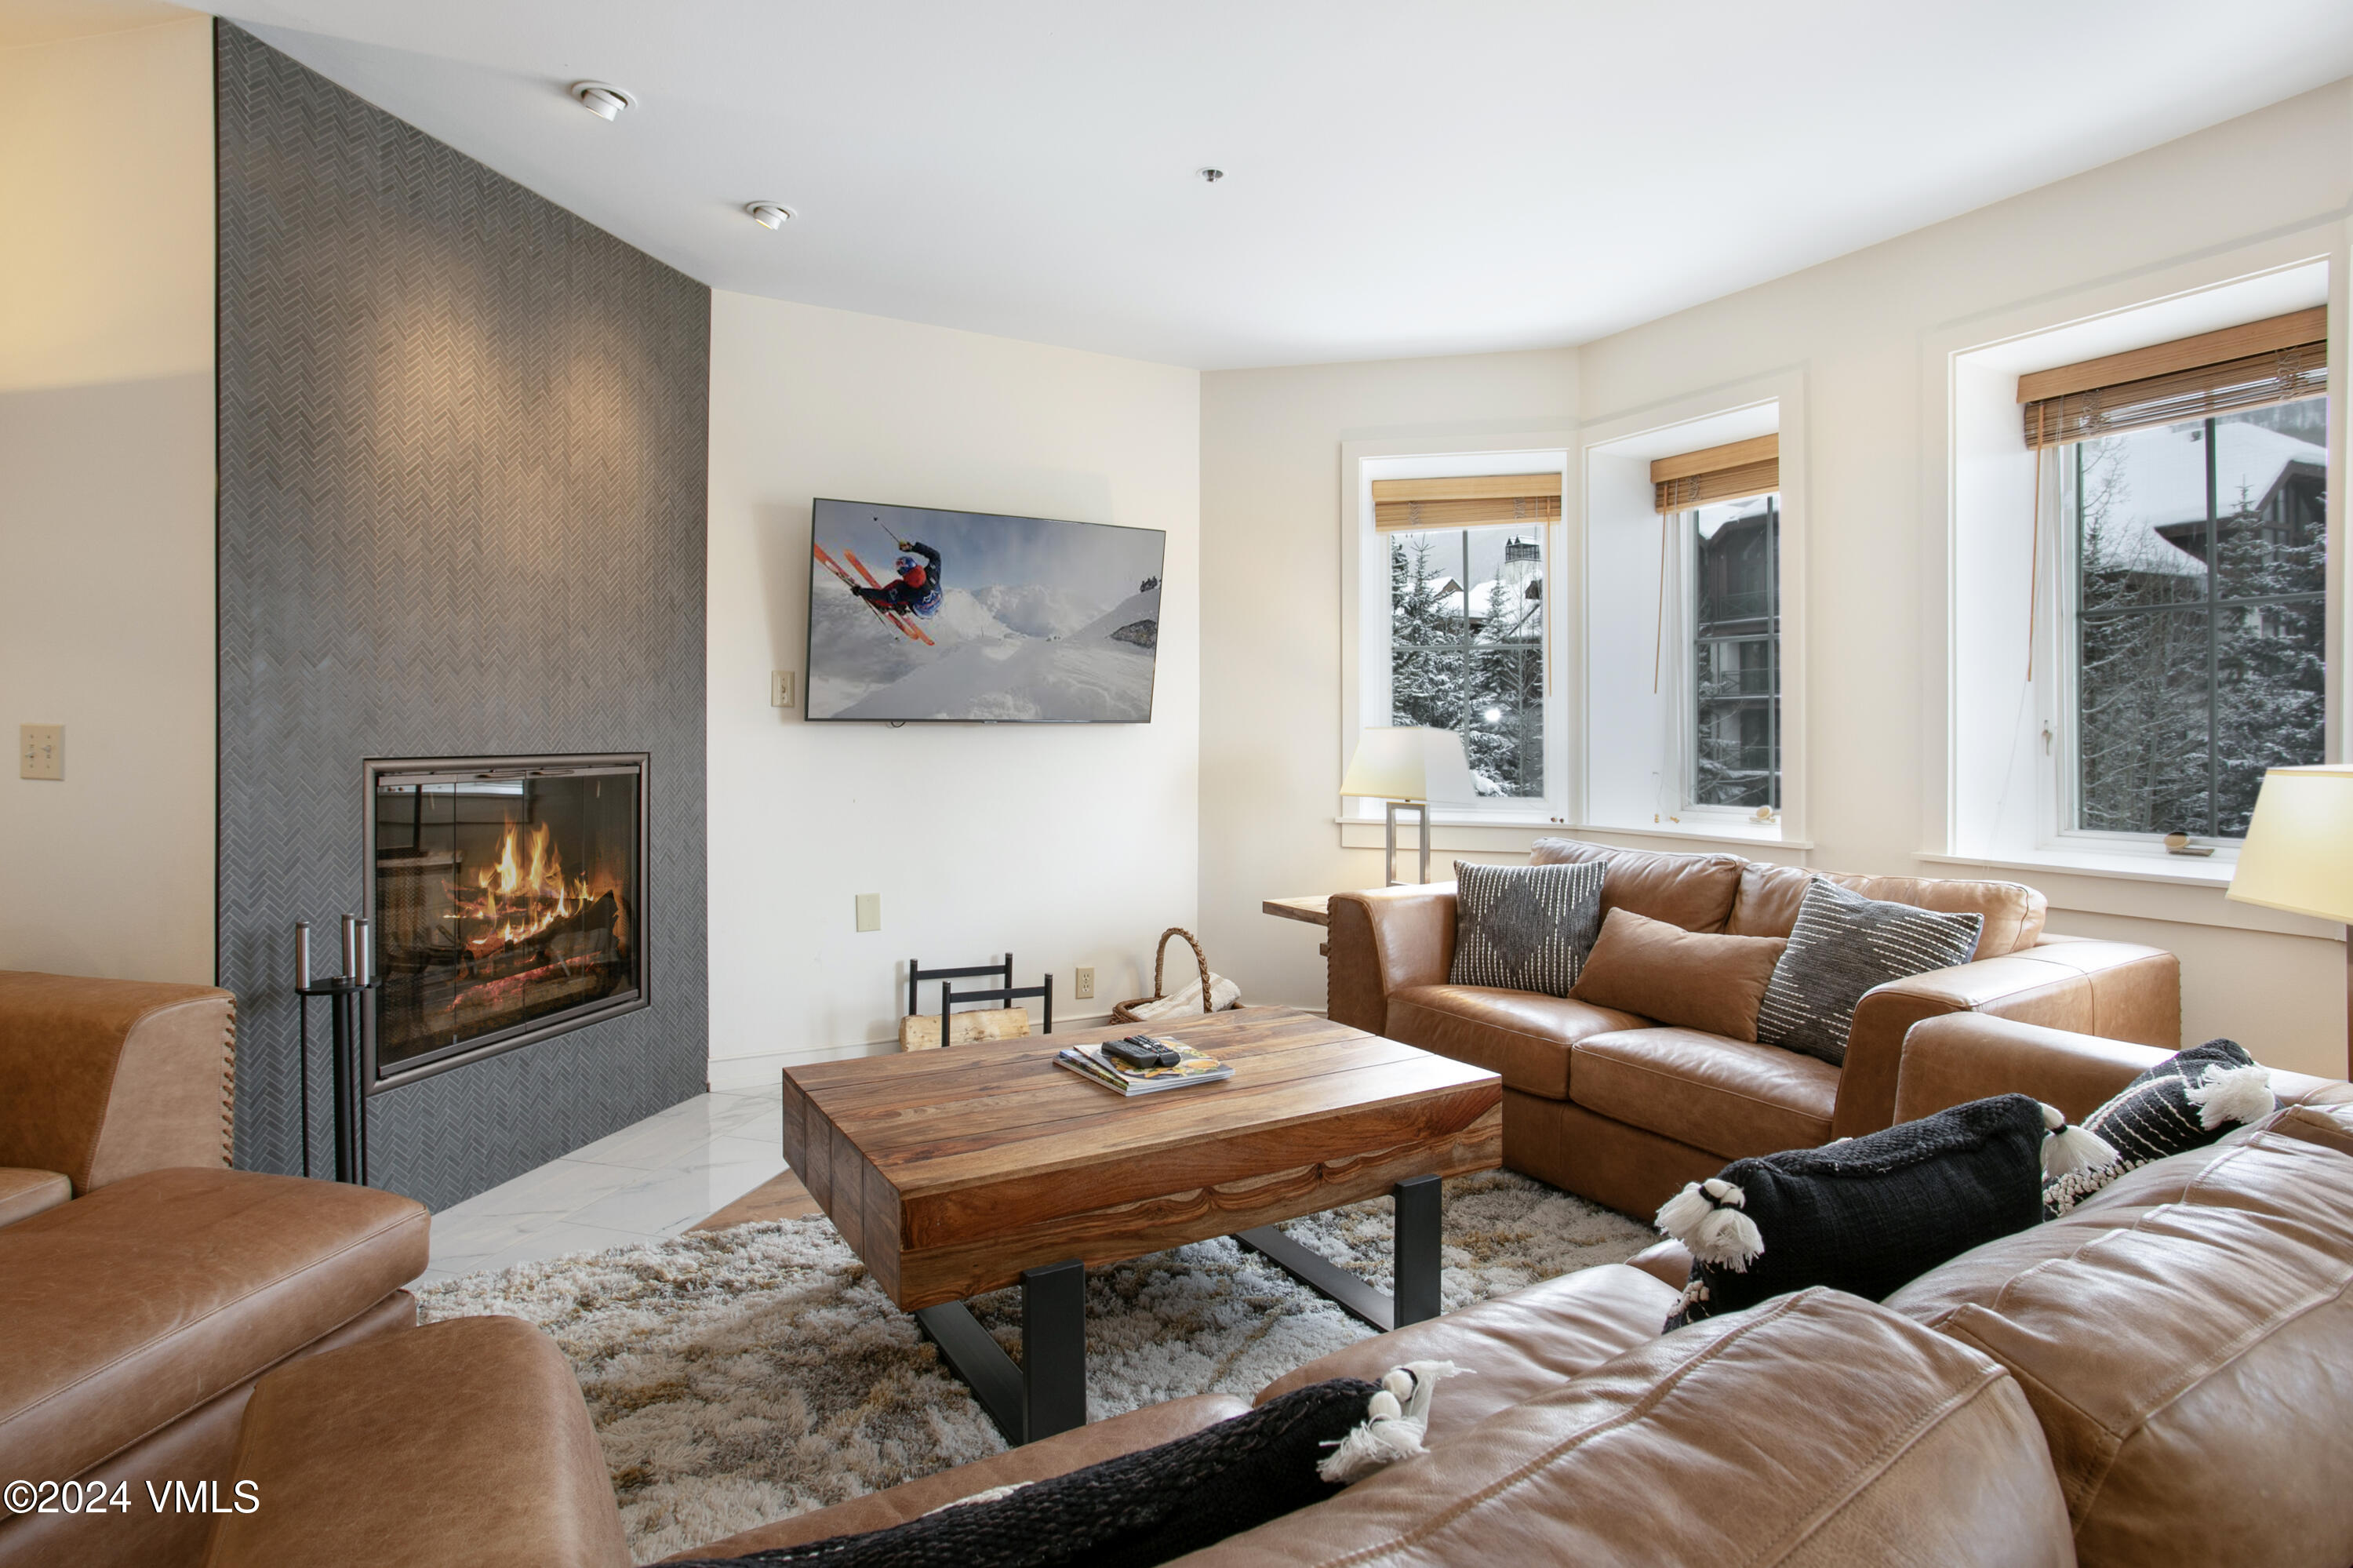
(870, 912)
(41, 750)
(780, 688)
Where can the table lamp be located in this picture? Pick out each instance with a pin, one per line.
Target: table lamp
(1409, 767)
(2298, 854)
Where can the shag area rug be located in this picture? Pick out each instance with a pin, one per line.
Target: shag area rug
(742, 1375)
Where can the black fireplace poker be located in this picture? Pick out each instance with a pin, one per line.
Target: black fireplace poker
(344, 995)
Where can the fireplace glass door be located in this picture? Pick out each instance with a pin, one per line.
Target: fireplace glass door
(507, 903)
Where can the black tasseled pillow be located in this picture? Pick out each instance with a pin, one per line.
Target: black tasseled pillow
(1148, 1507)
(2185, 1102)
(1866, 1215)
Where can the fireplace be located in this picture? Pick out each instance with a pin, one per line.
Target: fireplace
(507, 896)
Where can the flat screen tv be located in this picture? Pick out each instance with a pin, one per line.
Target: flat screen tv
(971, 616)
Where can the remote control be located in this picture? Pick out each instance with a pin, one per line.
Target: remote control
(1136, 1051)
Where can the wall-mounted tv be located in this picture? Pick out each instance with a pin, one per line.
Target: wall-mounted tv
(976, 617)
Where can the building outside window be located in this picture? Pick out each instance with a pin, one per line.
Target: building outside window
(2197, 567)
(1467, 646)
(1735, 653)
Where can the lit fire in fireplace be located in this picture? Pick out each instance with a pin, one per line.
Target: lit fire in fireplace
(521, 894)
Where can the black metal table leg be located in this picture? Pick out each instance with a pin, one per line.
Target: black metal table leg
(1420, 1205)
(1047, 1392)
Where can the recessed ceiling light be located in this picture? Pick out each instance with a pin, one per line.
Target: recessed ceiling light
(768, 215)
(1211, 176)
(603, 99)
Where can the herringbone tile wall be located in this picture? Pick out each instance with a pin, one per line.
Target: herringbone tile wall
(462, 463)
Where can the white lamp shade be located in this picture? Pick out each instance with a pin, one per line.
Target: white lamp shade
(1406, 764)
(2298, 854)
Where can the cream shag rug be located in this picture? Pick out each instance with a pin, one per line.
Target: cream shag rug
(742, 1375)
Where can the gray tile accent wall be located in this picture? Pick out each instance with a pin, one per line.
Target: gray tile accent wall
(463, 441)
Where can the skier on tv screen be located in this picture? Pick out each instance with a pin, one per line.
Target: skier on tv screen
(916, 589)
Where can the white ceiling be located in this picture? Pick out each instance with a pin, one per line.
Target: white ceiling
(1405, 177)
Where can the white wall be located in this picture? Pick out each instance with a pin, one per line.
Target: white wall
(1068, 845)
(106, 509)
(1861, 330)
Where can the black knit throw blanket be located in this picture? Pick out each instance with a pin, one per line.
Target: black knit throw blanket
(1148, 1507)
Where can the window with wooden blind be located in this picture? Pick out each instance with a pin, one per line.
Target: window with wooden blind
(1720, 511)
(1466, 556)
(2191, 596)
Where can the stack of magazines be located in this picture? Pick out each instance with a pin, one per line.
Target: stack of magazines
(1192, 1067)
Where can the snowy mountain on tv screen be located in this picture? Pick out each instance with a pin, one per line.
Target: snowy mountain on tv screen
(1023, 619)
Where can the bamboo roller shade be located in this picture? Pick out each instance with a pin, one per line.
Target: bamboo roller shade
(1730, 472)
(2247, 367)
(1469, 501)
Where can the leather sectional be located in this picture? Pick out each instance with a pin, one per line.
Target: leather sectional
(145, 1286)
(2154, 1379)
(1610, 1105)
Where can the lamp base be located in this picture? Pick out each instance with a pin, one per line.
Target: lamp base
(1420, 808)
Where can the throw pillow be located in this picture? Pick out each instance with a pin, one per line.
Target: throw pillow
(1525, 927)
(1157, 1504)
(1865, 1215)
(2185, 1102)
(1694, 978)
(1842, 944)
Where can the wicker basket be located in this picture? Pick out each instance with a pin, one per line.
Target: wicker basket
(1125, 1012)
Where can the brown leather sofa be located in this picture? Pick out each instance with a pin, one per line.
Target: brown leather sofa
(1611, 1106)
(144, 1285)
(2154, 1379)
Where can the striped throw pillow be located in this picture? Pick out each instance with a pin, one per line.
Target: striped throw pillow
(1842, 944)
(2185, 1102)
(1525, 927)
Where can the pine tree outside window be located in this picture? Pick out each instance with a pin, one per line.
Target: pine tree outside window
(2196, 587)
(1467, 646)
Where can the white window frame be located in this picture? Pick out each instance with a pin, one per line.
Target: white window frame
(1681, 630)
(1973, 371)
(1694, 424)
(1364, 609)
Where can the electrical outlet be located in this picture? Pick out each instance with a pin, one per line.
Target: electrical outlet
(1085, 988)
(41, 750)
(870, 912)
(780, 688)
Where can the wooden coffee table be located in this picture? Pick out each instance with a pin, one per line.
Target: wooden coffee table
(959, 1172)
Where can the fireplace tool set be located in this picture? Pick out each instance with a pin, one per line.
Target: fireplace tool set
(344, 995)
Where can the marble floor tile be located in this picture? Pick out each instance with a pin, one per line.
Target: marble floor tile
(653, 1179)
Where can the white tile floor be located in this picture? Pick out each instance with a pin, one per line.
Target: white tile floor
(649, 1181)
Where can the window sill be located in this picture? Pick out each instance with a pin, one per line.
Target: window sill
(1501, 833)
(2130, 886)
(2179, 871)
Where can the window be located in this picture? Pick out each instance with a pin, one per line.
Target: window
(1735, 653)
(1467, 644)
(2197, 561)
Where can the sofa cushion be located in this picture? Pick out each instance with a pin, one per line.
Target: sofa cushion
(130, 1307)
(1817, 1430)
(461, 1442)
(1731, 1097)
(2182, 1336)
(1516, 1346)
(1770, 896)
(1693, 891)
(2186, 1101)
(24, 1193)
(1696, 980)
(1527, 928)
(1516, 1033)
(1056, 1455)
